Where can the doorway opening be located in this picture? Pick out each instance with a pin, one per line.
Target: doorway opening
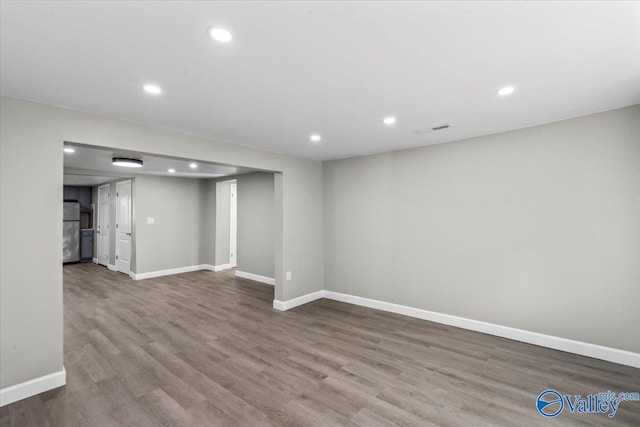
(174, 215)
(246, 226)
(101, 214)
(226, 225)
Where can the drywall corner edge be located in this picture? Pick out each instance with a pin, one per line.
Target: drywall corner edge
(301, 300)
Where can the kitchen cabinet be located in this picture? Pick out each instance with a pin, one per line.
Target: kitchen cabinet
(70, 193)
(80, 194)
(84, 197)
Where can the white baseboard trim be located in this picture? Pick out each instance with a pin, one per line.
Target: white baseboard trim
(112, 267)
(179, 270)
(215, 268)
(256, 277)
(95, 260)
(609, 354)
(571, 346)
(169, 272)
(32, 387)
(304, 299)
(221, 267)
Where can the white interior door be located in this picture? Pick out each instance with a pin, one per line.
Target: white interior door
(123, 226)
(233, 224)
(102, 233)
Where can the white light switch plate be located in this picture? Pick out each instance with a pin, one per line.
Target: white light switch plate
(151, 220)
(288, 276)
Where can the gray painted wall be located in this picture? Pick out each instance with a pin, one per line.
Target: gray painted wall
(537, 228)
(256, 222)
(173, 240)
(184, 232)
(31, 140)
(222, 227)
(175, 204)
(30, 286)
(207, 221)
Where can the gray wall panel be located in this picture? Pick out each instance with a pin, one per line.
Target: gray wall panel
(536, 229)
(256, 222)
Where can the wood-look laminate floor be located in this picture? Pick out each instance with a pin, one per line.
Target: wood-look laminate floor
(207, 349)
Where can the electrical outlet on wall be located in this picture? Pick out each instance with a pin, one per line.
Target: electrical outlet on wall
(288, 276)
(151, 220)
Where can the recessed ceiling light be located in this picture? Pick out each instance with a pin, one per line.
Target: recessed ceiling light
(172, 170)
(153, 89)
(506, 91)
(389, 121)
(68, 150)
(315, 138)
(126, 162)
(220, 34)
(193, 165)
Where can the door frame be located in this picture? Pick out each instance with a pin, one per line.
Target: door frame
(104, 215)
(128, 181)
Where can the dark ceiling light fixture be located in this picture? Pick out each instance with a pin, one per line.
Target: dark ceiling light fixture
(126, 162)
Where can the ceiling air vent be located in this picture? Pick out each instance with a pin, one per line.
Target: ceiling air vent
(433, 129)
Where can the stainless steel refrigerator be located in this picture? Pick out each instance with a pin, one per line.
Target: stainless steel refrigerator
(71, 232)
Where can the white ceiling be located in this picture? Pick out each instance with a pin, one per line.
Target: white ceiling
(336, 68)
(97, 160)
